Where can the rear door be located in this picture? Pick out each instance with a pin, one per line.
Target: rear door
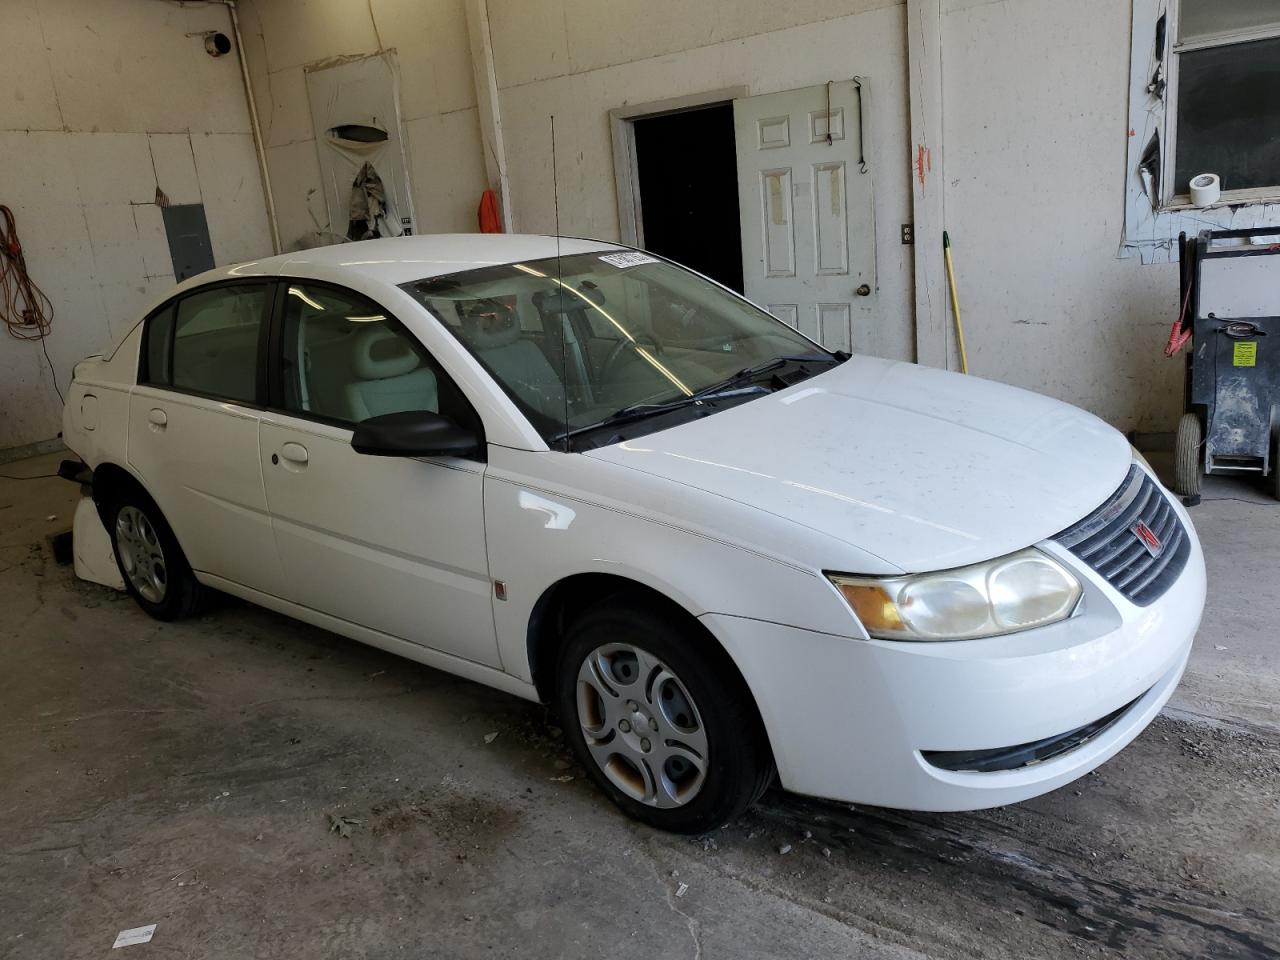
(396, 544)
(806, 204)
(193, 429)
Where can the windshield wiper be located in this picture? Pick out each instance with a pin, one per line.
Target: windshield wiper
(748, 373)
(724, 388)
(639, 411)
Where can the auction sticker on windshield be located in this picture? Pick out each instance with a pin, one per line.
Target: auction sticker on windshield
(628, 259)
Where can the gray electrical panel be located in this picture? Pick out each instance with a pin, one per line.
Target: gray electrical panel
(189, 245)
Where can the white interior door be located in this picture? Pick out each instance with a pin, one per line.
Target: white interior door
(806, 202)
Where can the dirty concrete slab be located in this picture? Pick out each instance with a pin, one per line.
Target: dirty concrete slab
(1235, 663)
(188, 775)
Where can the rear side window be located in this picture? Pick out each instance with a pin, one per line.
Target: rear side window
(215, 342)
(159, 339)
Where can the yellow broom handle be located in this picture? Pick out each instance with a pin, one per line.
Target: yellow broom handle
(955, 300)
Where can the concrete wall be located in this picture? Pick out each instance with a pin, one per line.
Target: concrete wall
(102, 103)
(1033, 150)
(578, 59)
(106, 101)
(564, 57)
(437, 101)
(1034, 114)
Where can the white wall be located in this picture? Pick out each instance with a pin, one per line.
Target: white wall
(437, 101)
(1034, 132)
(103, 102)
(564, 57)
(578, 59)
(1033, 154)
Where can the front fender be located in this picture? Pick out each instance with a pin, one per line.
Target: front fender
(542, 527)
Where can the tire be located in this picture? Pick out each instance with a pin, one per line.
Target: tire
(1275, 461)
(154, 568)
(679, 745)
(1187, 457)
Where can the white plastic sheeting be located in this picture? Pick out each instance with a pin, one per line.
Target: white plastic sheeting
(365, 93)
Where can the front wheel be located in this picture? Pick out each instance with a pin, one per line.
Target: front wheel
(154, 568)
(658, 715)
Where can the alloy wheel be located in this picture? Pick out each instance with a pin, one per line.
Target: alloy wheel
(141, 554)
(641, 726)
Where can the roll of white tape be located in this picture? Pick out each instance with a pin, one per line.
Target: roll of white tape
(1206, 188)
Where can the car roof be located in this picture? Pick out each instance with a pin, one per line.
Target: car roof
(397, 260)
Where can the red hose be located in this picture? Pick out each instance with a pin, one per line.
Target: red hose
(1178, 336)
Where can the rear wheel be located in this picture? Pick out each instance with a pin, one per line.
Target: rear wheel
(154, 568)
(660, 718)
(1187, 467)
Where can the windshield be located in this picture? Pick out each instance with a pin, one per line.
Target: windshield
(594, 338)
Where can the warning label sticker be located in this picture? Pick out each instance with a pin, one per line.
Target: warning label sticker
(1244, 353)
(628, 259)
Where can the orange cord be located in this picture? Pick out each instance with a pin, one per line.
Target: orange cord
(25, 310)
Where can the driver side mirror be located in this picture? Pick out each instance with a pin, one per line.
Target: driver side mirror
(413, 433)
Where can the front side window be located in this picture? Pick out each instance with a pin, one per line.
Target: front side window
(208, 343)
(586, 340)
(345, 360)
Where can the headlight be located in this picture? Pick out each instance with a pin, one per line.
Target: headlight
(1023, 590)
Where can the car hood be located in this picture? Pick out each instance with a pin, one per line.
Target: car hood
(922, 468)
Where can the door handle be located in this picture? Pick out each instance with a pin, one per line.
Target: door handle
(157, 418)
(295, 453)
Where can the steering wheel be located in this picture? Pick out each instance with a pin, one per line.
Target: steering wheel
(616, 353)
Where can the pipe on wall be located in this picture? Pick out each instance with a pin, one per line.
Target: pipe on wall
(488, 108)
(255, 127)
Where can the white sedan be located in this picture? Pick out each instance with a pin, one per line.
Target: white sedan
(584, 475)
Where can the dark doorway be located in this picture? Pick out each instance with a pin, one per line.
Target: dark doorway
(688, 173)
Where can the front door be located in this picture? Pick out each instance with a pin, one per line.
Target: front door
(804, 192)
(392, 543)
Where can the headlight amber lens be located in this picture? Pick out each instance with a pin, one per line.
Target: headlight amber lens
(1026, 589)
(873, 606)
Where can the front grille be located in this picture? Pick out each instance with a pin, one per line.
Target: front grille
(1106, 540)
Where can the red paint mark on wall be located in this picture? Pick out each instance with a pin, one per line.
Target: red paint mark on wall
(1132, 132)
(924, 162)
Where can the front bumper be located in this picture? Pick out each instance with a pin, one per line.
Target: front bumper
(851, 719)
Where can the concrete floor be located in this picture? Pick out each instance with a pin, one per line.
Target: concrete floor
(187, 774)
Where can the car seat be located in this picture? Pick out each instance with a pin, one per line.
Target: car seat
(493, 331)
(388, 376)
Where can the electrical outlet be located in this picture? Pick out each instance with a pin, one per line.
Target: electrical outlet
(908, 234)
